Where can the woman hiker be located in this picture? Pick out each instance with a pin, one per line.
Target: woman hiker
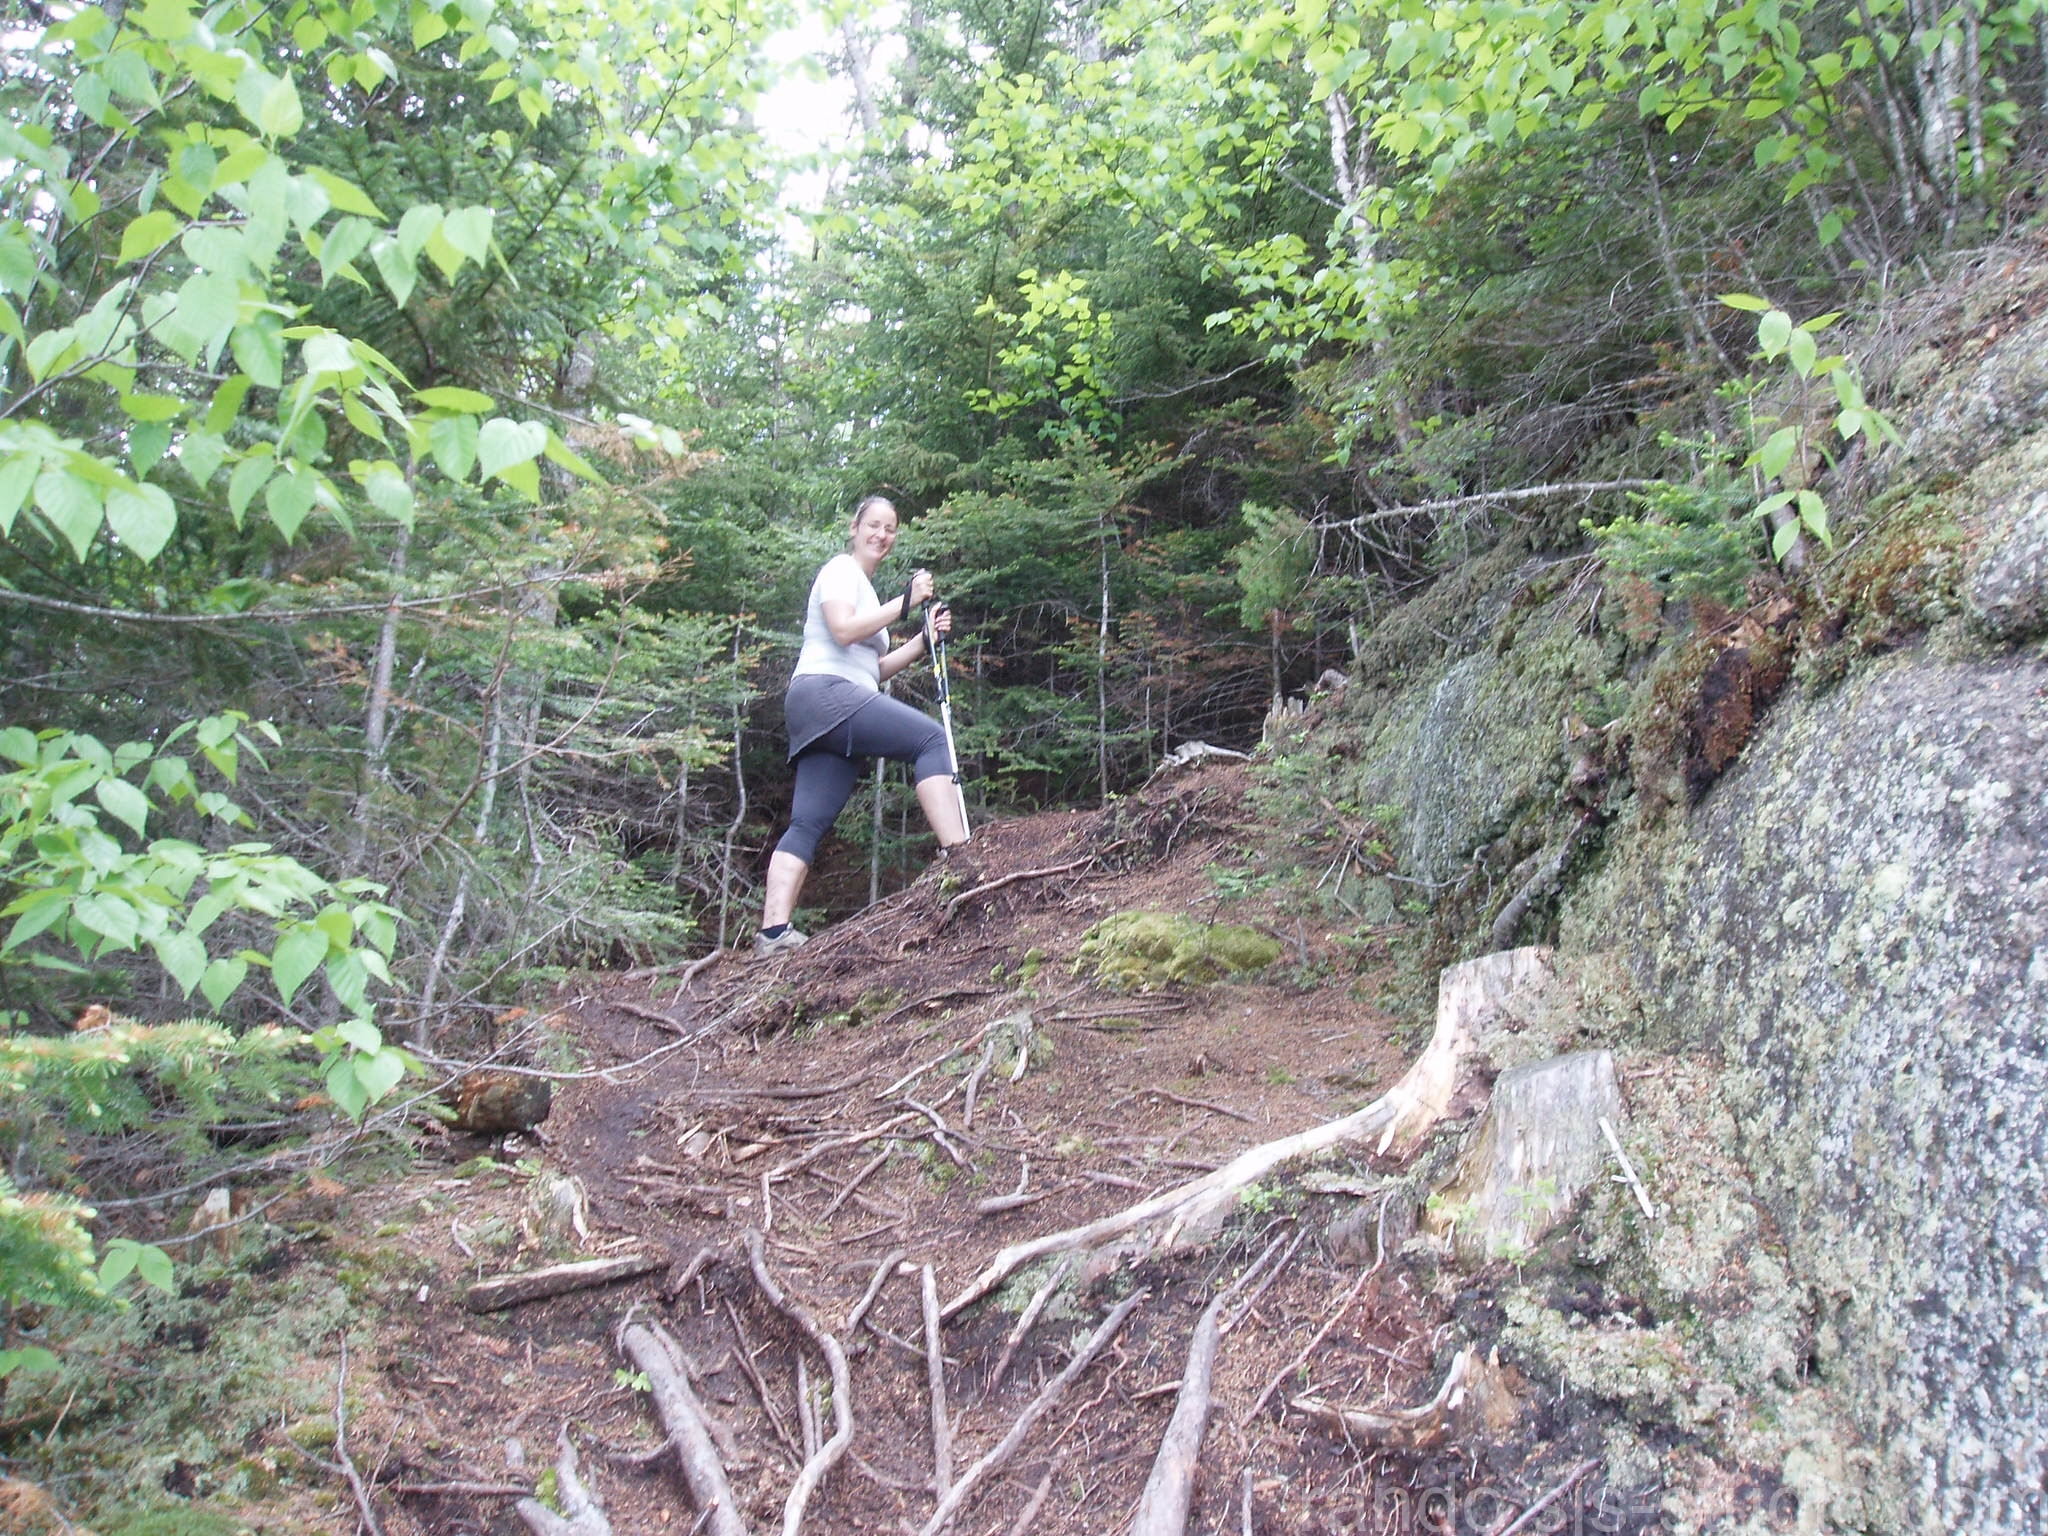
(838, 716)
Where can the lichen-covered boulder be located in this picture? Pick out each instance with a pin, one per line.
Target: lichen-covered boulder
(2007, 590)
(1857, 917)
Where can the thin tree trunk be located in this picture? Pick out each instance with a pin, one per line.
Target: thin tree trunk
(376, 718)
(739, 784)
(1103, 523)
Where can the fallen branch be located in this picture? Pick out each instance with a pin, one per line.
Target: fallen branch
(783, 1093)
(1030, 1511)
(1163, 1508)
(348, 1467)
(1039, 1300)
(744, 1357)
(867, 1171)
(881, 1276)
(828, 1455)
(986, 886)
(535, 1284)
(1407, 1429)
(1213, 1108)
(586, 1515)
(1571, 1481)
(1628, 1171)
(995, 1205)
(949, 1506)
(686, 1424)
(1525, 493)
(935, 1373)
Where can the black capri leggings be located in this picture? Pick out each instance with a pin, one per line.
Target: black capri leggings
(827, 769)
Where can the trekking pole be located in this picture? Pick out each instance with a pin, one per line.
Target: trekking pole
(935, 647)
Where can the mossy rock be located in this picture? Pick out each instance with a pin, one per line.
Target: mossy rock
(1148, 949)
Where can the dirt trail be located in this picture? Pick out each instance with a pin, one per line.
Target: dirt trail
(863, 1098)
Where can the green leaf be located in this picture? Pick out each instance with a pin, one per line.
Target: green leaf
(149, 233)
(298, 954)
(278, 112)
(152, 407)
(143, 518)
(345, 195)
(1800, 352)
(361, 1034)
(125, 803)
(201, 315)
(259, 350)
(398, 270)
(453, 442)
(1746, 301)
(31, 1361)
(451, 398)
(1773, 331)
(346, 1089)
(289, 498)
(154, 1265)
(469, 231)
(119, 1262)
(184, 957)
(504, 443)
(248, 478)
(380, 1073)
(18, 744)
(17, 478)
(222, 978)
(327, 353)
(1813, 512)
(342, 245)
(111, 917)
(384, 484)
(201, 453)
(415, 228)
(1777, 451)
(71, 505)
(1783, 540)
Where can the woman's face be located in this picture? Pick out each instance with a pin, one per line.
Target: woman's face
(874, 534)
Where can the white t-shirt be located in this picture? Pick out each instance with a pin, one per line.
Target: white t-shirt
(841, 580)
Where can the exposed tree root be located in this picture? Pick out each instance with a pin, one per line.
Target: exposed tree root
(586, 1515)
(828, 1454)
(1405, 1429)
(1197, 1207)
(1445, 1080)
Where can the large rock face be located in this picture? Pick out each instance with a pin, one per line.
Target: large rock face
(1857, 917)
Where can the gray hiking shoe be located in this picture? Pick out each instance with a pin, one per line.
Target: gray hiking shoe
(766, 948)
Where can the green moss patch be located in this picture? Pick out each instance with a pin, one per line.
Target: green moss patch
(1133, 950)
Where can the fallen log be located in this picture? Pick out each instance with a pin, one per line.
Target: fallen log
(502, 1291)
(682, 1416)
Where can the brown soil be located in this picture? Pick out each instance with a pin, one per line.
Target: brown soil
(740, 1102)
